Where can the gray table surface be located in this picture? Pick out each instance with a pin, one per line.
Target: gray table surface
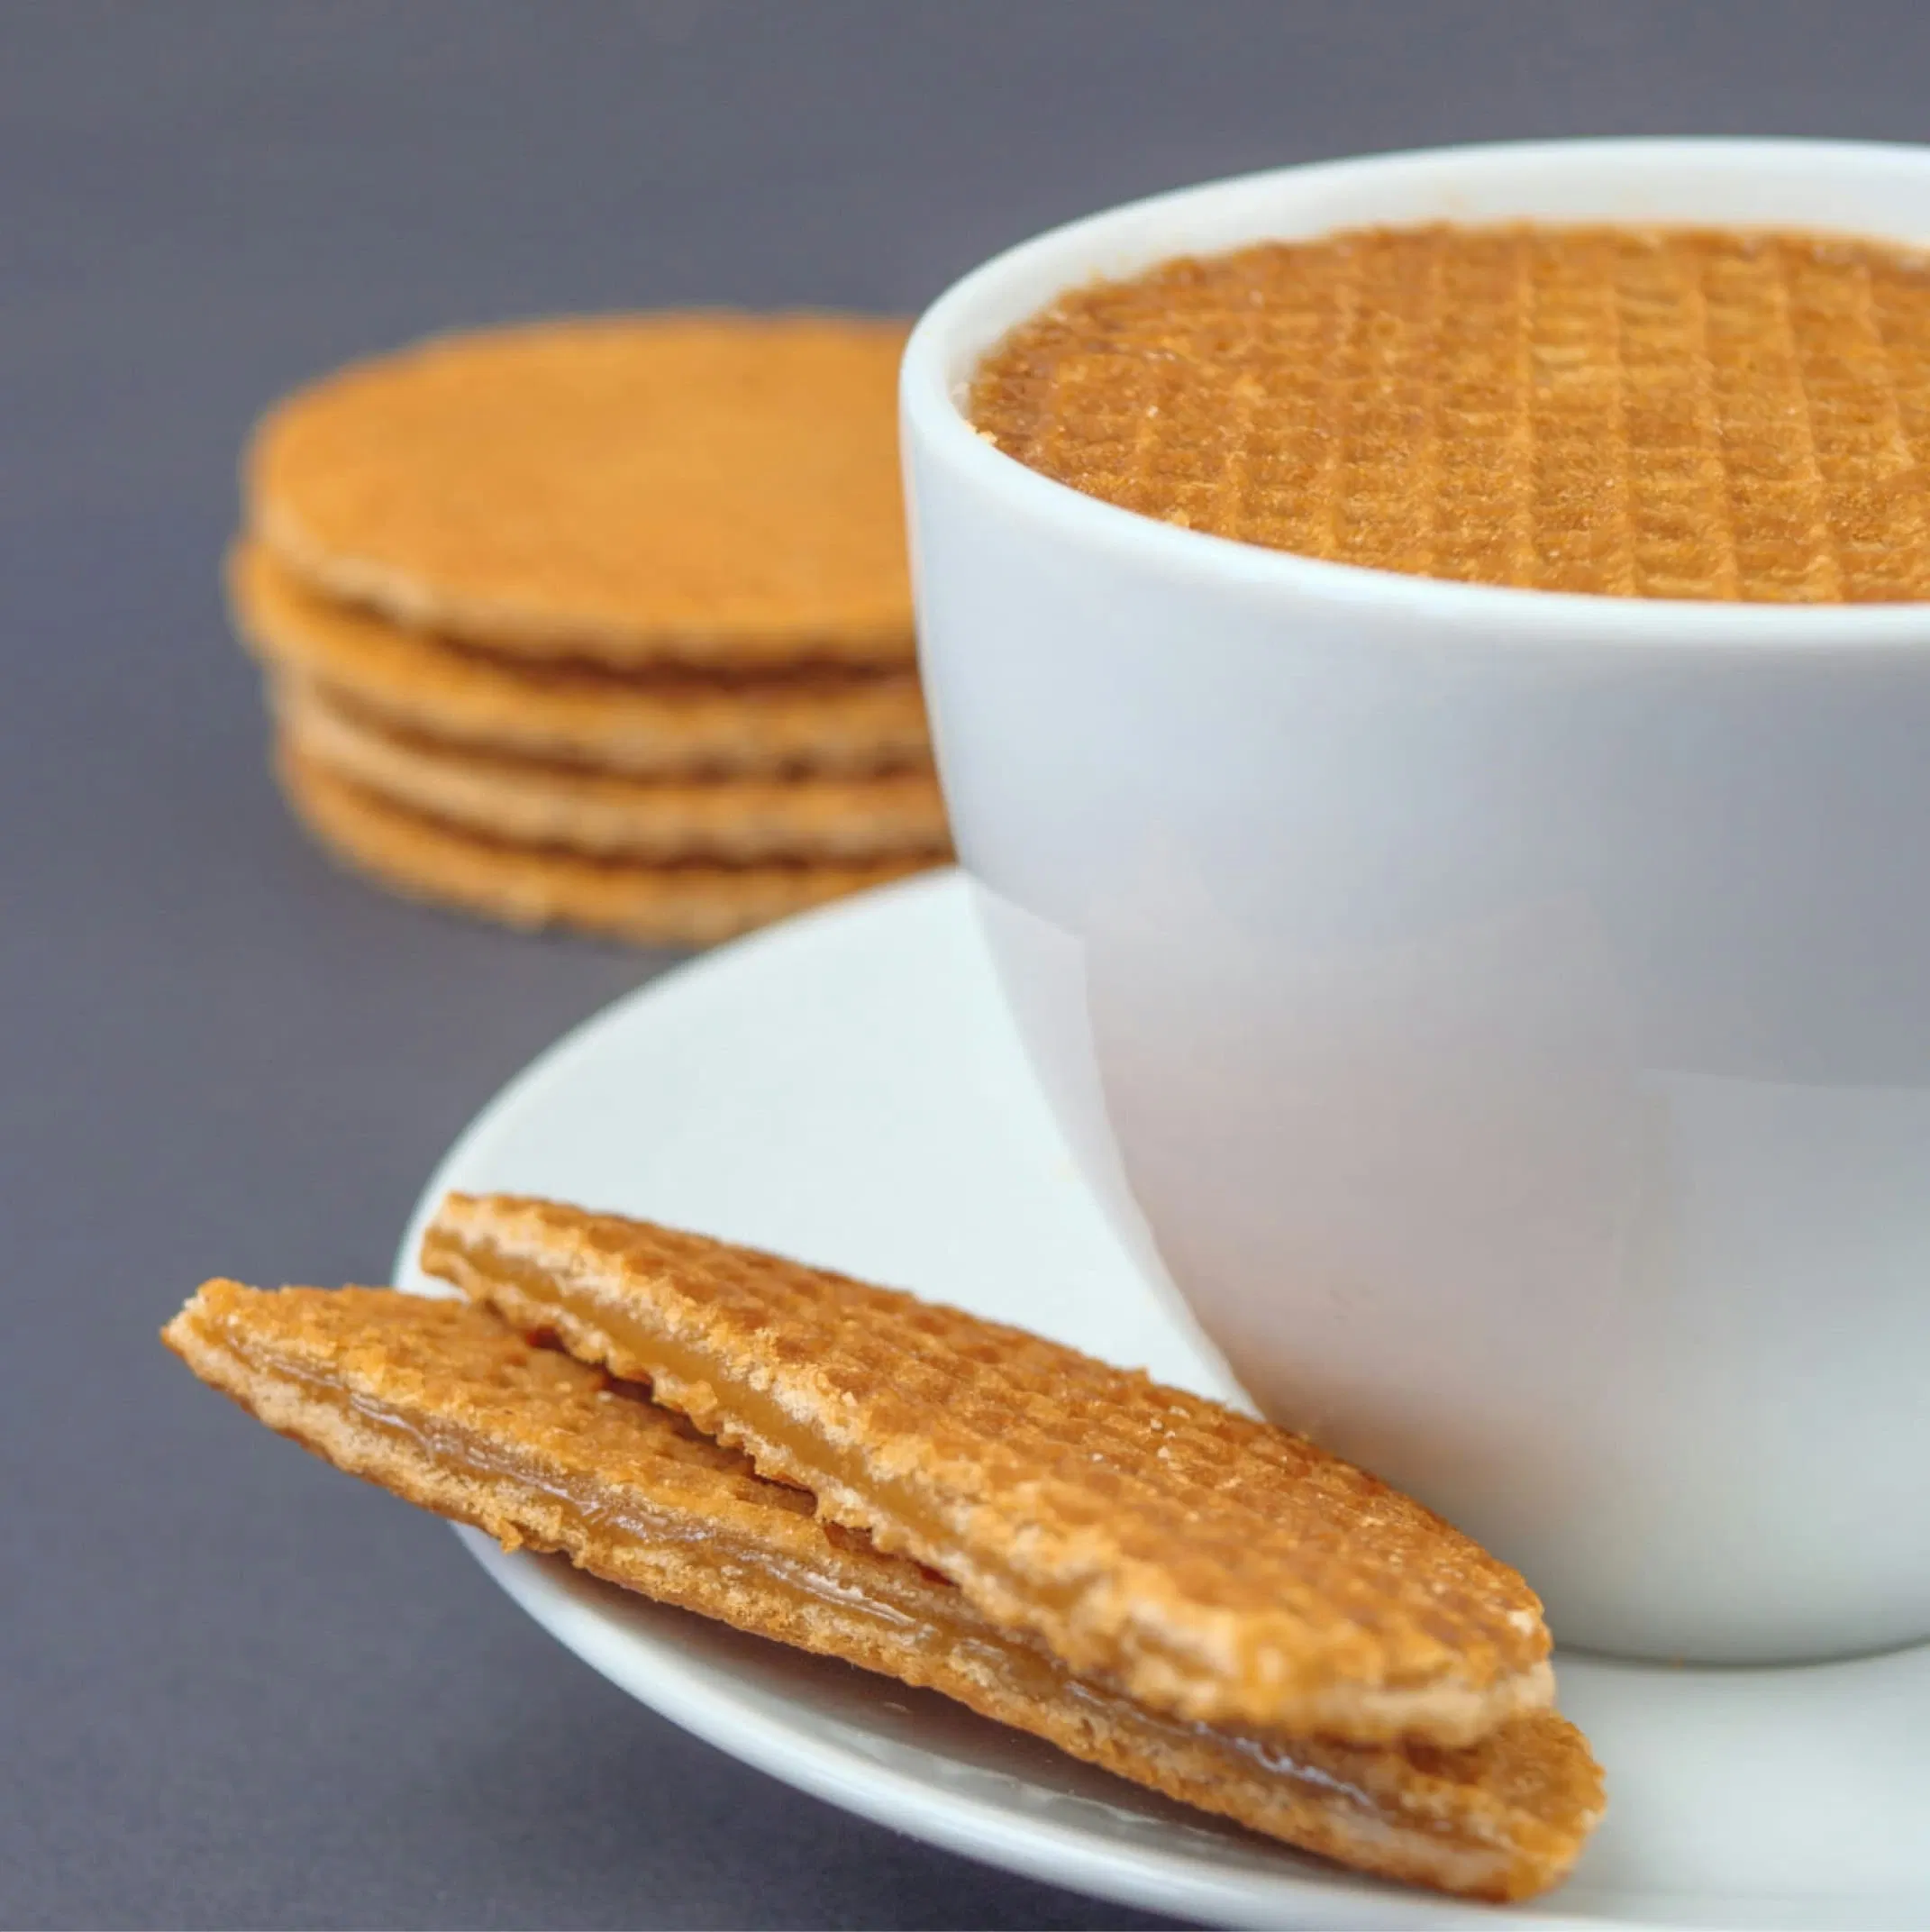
(234, 1688)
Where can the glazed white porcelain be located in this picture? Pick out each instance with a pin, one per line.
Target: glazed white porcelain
(847, 1086)
(1510, 1012)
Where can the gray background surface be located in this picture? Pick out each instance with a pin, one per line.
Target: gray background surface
(236, 1689)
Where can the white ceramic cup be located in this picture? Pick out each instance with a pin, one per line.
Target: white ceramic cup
(1510, 1011)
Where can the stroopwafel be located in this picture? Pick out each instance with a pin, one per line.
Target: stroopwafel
(730, 821)
(532, 887)
(1624, 411)
(660, 722)
(704, 489)
(1209, 1565)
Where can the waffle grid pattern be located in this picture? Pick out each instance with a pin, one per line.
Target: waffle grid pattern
(1225, 1567)
(1635, 413)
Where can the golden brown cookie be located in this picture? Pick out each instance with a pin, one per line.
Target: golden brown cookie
(1214, 1567)
(660, 821)
(669, 722)
(446, 1406)
(1630, 412)
(704, 489)
(650, 904)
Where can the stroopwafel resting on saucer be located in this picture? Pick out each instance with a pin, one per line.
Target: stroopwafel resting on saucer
(456, 1410)
(1211, 1566)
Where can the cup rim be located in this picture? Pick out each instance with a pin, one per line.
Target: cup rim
(934, 417)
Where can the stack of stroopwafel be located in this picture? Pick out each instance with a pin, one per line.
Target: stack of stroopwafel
(600, 623)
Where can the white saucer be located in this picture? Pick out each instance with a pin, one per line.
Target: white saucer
(846, 1089)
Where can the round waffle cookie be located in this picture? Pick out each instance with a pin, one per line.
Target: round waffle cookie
(732, 821)
(671, 904)
(1628, 412)
(663, 723)
(703, 488)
